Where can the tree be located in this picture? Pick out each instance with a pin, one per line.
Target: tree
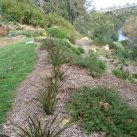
(69, 9)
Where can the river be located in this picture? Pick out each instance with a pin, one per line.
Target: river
(121, 36)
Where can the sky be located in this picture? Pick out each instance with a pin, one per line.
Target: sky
(109, 3)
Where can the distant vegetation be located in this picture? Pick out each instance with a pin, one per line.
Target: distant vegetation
(60, 23)
(130, 27)
(99, 27)
(19, 11)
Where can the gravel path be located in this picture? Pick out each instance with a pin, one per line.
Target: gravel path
(25, 103)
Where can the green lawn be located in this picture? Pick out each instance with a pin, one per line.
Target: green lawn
(16, 62)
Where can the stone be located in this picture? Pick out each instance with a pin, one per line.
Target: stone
(104, 106)
(4, 30)
(106, 47)
(85, 38)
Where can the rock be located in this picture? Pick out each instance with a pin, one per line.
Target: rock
(94, 49)
(4, 30)
(29, 42)
(85, 38)
(104, 106)
(106, 47)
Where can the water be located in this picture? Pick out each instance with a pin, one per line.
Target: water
(121, 36)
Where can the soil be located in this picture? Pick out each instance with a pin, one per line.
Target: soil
(8, 40)
(26, 104)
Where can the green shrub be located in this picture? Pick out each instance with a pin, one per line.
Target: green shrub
(90, 62)
(77, 51)
(133, 78)
(135, 75)
(47, 97)
(72, 38)
(126, 43)
(36, 129)
(133, 54)
(81, 50)
(57, 33)
(56, 56)
(102, 28)
(120, 73)
(101, 110)
(18, 11)
(120, 50)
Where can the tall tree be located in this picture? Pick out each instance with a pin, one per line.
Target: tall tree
(69, 9)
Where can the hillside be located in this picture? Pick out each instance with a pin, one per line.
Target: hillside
(30, 14)
(64, 72)
(130, 27)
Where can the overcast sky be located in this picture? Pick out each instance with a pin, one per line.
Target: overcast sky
(109, 3)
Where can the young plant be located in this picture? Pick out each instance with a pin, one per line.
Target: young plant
(60, 74)
(121, 73)
(47, 98)
(133, 78)
(56, 56)
(35, 129)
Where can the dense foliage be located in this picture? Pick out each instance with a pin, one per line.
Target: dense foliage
(74, 56)
(120, 73)
(101, 109)
(130, 27)
(69, 9)
(19, 11)
(57, 33)
(98, 26)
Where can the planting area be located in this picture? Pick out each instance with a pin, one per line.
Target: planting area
(65, 72)
(55, 91)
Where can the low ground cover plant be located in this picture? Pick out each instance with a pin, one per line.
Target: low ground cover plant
(91, 62)
(133, 78)
(100, 109)
(120, 73)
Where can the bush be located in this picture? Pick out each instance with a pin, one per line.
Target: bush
(19, 11)
(72, 38)
(90, 62)
(57, 33)
(121, 50)
(76, 50)
(133, 78)
(120, 73)
(35, 128)
(101, 110)
(102, 28)
(133, 54)
(47, 97)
